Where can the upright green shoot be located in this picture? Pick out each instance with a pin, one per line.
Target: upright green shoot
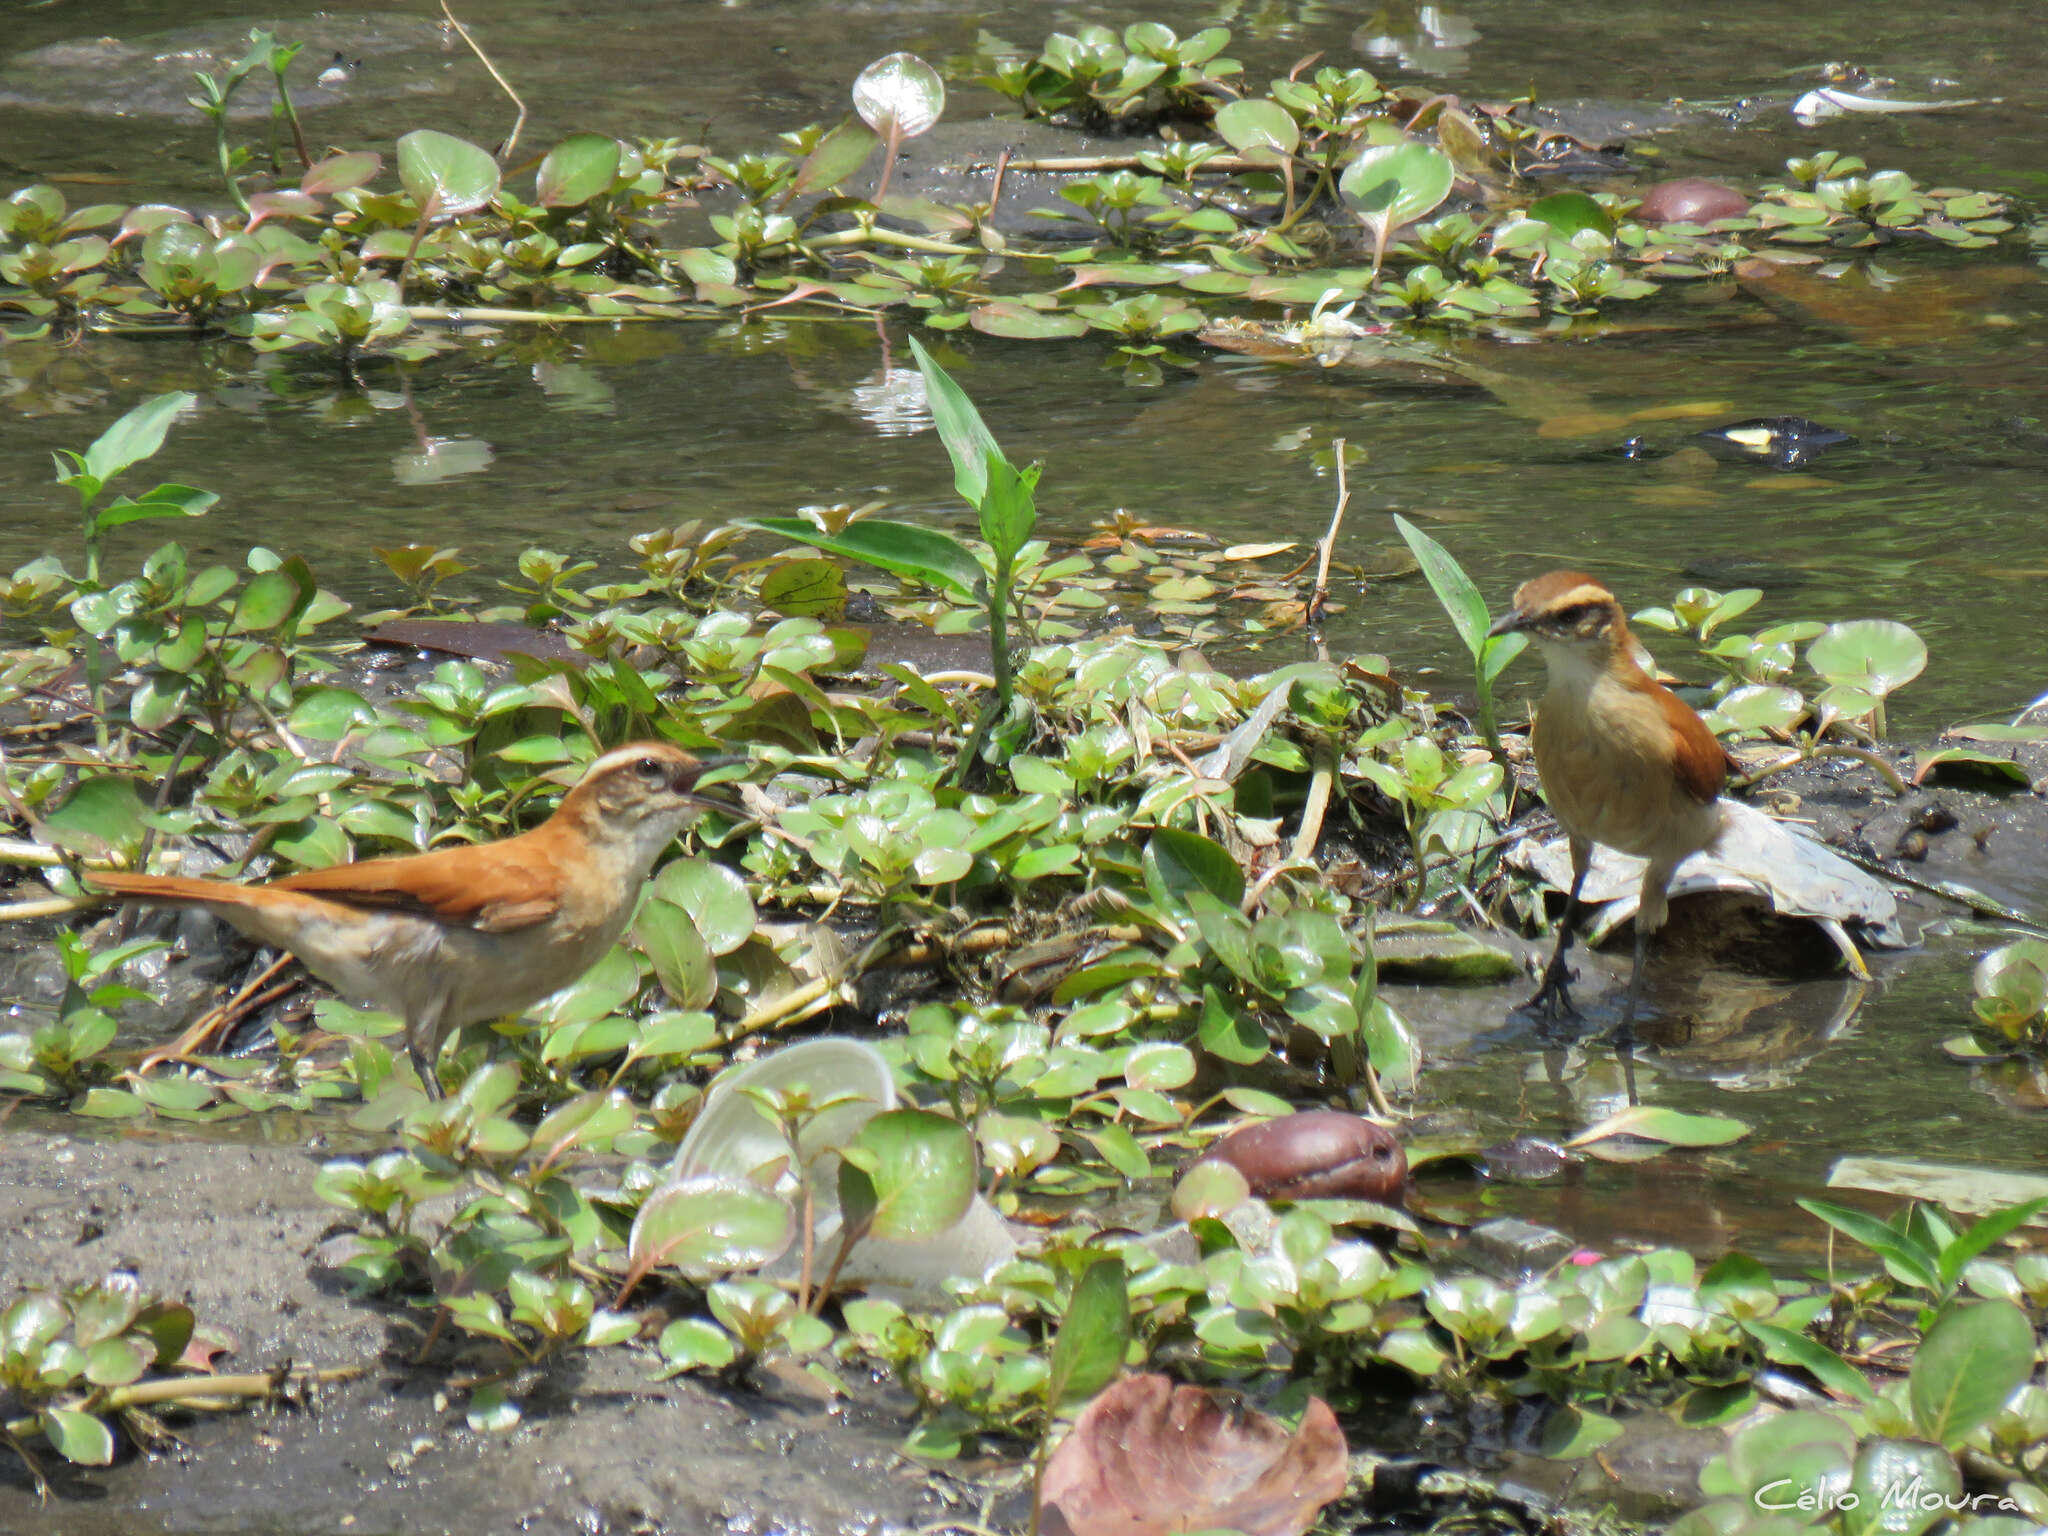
(127, 442)
(1002, 495)
(998, 491)
(1467, 610)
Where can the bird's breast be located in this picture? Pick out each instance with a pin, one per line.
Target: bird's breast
(1604, 759)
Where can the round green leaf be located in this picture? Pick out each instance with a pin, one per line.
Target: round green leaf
(1884, 1466)
(941, 866)
(1570, 212)
(923, 1171)
(716, 899)
(1159, 1064)
(576, 170)
(1968, 1365)
(1875, 655)
(709, 1223)
(450, 174)
(1395, 184)
(696, 1343)
(1259, 129)
(78, 1437)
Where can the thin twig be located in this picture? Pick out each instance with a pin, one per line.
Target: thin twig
(519, 122)
(1318, 803)
(1215, 165)
(213, 1020)
(1314, 613)
(995, 190)
(49, 906)
(1871, 760)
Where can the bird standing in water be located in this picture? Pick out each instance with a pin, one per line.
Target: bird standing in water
(1623, 760)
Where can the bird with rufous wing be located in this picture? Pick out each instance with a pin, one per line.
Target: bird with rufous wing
(462, 935)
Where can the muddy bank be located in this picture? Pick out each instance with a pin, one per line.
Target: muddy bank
(232, 1227)
(602, 1449)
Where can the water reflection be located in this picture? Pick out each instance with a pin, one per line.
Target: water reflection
(1425, 38)
(893, 402)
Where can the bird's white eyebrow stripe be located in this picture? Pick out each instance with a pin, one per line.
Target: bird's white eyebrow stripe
(1586, 593)
(619, 757)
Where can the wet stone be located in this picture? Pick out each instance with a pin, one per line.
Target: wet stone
(1510, 1249)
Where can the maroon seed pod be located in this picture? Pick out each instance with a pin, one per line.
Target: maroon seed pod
(1319, 1154)
(1691, 200)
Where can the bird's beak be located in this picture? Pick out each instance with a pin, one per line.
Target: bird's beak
(1510, 622)
(689, 783)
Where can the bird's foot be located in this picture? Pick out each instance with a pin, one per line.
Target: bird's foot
(423, 1063)
(1553, 1000)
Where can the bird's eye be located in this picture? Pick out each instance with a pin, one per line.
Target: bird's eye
(650, 768)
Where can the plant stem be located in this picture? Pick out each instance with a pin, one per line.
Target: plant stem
(1489, 727)
(1314, 612)
(225, 156)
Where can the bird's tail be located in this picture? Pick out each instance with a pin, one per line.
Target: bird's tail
(176, 888)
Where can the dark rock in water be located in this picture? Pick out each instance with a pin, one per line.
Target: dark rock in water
(151, 76)
(476, 641)
(1728, 571)
(1691, 200)
(1783, 442)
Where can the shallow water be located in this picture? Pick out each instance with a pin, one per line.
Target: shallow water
(580, 440)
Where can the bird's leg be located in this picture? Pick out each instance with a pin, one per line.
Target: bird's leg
(1624, 1032)
(1553, 999)
(423, 1043)
(1652, 907)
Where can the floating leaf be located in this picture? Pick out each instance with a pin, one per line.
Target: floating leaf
(1570, 212)
(1020, 322)
(1652, 1122)
(1875, 655)
(805, 589)
(576, 170)
(1394, 184)
(445, 174)
(1261, 130)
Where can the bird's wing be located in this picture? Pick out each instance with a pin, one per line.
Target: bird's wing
(1698, 760)
(497, 888)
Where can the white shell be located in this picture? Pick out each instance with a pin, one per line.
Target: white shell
(1756, 856)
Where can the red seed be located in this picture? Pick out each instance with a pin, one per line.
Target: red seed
(1319, 1154)
(1690, 200)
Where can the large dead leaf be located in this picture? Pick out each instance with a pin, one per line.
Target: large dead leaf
(1149, 1458)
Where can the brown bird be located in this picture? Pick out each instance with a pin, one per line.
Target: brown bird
(1623, 760)
(466, 934)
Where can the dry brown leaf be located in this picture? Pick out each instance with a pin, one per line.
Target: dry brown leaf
(1149, 1458)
